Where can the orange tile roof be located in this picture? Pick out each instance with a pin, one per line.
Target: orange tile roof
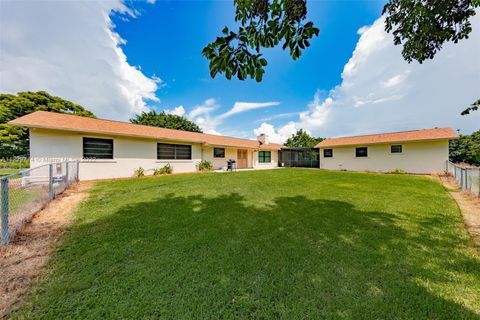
(67, 122)
(404, 136)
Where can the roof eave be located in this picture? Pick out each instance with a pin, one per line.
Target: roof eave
(109, 133)
(389, 142)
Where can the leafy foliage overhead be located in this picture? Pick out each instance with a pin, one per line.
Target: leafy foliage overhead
(263, 24)
(301, 139)
(466, 149)
(14, 140)
(473, 107)
(164, 120)
(423, 26)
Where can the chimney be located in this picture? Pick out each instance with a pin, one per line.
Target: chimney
(263, 138)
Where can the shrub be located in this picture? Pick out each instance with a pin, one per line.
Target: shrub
(397, 171)
(14, 163)
(140, 172)
(166, 169)
(205, 165)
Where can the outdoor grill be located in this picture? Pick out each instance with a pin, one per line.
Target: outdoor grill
(231, 165)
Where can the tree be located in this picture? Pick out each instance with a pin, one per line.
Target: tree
(14, 140)
(466, 149)
(421, 26)
(301, 139)
(163, 120)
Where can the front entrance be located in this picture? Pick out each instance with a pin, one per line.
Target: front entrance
(242, 159)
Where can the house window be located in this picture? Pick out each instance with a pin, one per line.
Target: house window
(94, 148)
(327, 153)
(361, 152)
(218, 152)
(396, 148)
(264, 156)
(166, 151)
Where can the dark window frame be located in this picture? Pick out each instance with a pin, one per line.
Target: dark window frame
(177, 151)
(360, 155)
(97, 144)
(219, 156)
(330, 155)
(262, 156)
(394, 148)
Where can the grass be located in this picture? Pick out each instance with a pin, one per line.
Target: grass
(14, 163)
(26, 200)
(4, 172)
(290, 244)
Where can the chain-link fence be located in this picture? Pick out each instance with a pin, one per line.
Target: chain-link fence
(467, 177)
(28, 191)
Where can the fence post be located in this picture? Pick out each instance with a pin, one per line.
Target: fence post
(50, 182)
(4, 191)
(467, 176)
(67, 182)
(461, 178)
(78, 170)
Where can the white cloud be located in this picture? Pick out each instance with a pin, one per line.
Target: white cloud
(69, 49)
(179, 111)
(208, 106)
(380, 92)
(395, 80)
(362, 30)
(317, 111)
(277, 136)
(278, 116)
(239, 107)
(202, 114)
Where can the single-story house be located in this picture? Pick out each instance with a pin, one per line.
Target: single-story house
(112, 149)
(417, 151)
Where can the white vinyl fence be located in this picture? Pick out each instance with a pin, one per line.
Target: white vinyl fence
(467, 178)
(26, 192)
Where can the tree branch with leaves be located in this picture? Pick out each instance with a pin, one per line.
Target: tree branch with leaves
(263, 24)
(473, 107)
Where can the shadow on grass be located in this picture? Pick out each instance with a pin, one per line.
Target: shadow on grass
(197, 257)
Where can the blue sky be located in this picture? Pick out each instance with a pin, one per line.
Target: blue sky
(167, 38)
(118, 59)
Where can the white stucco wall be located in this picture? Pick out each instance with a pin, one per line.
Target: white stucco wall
(47, 146)
(129, 154)
(272, 164)
(252, 158)
(417, 157)
(219, 163)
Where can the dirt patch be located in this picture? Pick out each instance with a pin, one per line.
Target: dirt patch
(22, 260)
(469, 205)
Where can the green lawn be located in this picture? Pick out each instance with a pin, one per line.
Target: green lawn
(4, 172)
(290, 244)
